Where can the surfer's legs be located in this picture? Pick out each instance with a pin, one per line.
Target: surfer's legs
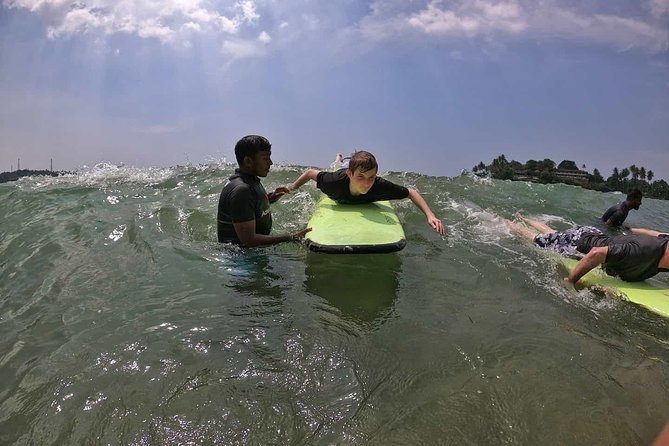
(520, 229)
(539, 226)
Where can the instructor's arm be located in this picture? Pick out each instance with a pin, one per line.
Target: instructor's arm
(422, 205)
(594, 258)
(246, 232)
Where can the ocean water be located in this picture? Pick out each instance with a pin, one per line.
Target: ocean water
(122, 321)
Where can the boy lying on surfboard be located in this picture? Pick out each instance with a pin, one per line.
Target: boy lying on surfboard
(359, 183)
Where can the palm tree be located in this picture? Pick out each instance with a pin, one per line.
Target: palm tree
(624, 173)
(642, 173)
(650, 175)
(635, 172)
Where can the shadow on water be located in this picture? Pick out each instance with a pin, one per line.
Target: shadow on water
(362, 287)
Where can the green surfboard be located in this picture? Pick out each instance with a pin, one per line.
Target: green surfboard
(651, 294)
(354, 228)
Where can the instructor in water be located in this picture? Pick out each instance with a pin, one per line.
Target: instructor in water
(244, 215)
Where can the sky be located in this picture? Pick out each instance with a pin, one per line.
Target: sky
(429, 86)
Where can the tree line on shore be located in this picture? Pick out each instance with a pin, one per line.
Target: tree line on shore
(15, 175)
(547, 172)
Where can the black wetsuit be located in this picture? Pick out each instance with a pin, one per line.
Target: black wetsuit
(243, 199)
(617, 214)
(336, 185)
(631, 257)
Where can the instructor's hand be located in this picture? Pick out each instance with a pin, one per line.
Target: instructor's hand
(278, 193)
(300, 235)
(436, 225)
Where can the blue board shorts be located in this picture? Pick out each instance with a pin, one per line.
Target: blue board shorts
(564, 242)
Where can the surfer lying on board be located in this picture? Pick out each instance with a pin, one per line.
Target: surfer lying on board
(633, 257)
(244, 216)
(359, 184)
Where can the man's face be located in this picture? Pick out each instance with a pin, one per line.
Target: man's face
(636, 204)
(260, 163)
(361, 181)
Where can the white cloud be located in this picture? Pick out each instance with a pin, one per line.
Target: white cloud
(478, 17)
(166, 20)
(619, 32)
(659, 8)
(520, 18)
(248, 10)
(237, 49)
(337, 25)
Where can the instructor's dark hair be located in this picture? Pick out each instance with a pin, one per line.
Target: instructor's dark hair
(362, 160)
(634, 195)
(250, 145)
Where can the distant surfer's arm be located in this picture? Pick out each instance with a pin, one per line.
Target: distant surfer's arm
(593, 259)
(246, 232)
(309, 174)
(420, 203)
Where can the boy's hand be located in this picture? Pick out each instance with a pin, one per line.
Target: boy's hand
(436, 225)
(278, 193)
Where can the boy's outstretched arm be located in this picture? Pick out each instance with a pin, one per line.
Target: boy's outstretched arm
(594, 258)
(643, 231)
(309, 174)
(422, 205)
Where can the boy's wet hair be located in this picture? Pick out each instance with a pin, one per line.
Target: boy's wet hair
(634, 195)
(363, 161)
(250, 145)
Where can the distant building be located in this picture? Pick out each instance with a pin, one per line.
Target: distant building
(578, 176)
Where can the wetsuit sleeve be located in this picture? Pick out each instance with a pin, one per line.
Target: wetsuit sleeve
(328, 183)
(241, 204)
(387, 190)
(617, 252)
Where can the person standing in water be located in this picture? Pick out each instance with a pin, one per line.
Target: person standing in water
(616, 215)
(244, 215)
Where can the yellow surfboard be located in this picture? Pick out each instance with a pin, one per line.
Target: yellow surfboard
(354, 228)
(651, 294)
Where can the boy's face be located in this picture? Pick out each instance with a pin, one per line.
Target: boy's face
(361, 182)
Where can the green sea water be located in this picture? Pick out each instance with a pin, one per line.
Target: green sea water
(122, 321)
